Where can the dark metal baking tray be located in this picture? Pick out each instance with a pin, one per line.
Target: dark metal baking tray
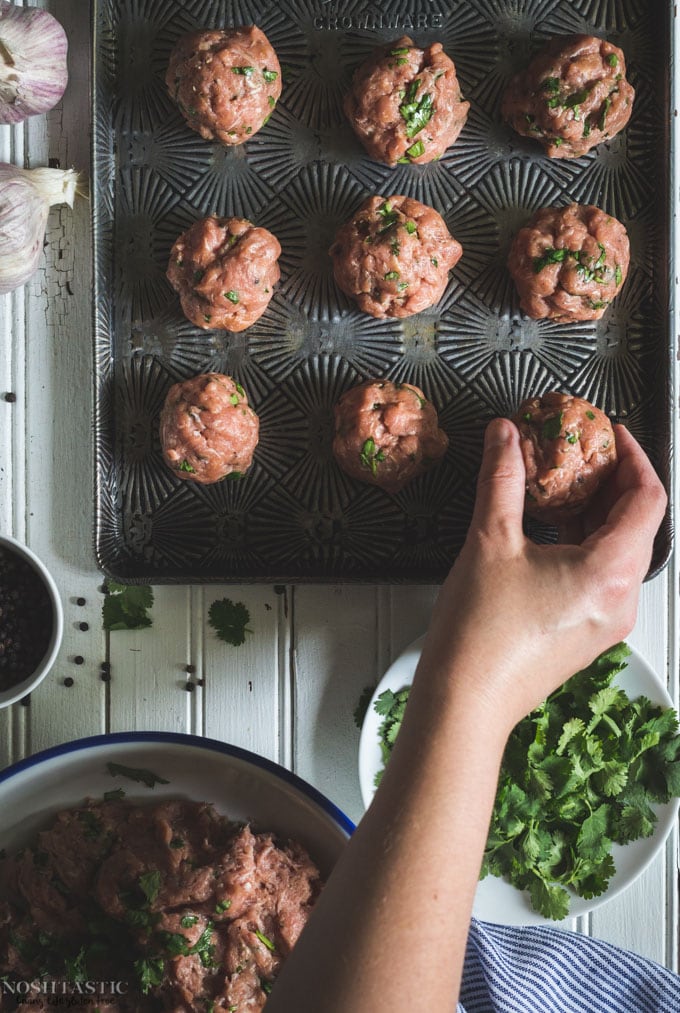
(295, 516)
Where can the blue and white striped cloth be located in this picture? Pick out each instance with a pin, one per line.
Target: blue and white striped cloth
(545, 970)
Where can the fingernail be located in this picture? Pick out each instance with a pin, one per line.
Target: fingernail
(498, 432)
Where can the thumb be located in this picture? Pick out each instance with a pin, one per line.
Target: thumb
(499, 504)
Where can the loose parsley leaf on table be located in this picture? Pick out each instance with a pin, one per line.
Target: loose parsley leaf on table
(125, 606)
(230, 621)
(580, 773)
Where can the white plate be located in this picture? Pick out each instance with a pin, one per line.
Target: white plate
(496, 900)
(241, 785)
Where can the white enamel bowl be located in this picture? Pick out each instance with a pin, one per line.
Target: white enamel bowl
(241, 785)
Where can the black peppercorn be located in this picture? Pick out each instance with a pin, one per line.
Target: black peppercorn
(68, 681)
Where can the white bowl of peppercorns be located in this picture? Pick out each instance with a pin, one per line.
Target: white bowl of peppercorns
(31, 621)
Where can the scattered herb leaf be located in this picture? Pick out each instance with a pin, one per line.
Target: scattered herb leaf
(139, 774)
(125, 606)
(416, 113)
(230, 621)
(371, 456)
(550, 256)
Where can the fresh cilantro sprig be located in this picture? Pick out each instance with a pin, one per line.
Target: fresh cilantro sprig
(390, 706)
(125, 606)
(580, 773)
(230, 621)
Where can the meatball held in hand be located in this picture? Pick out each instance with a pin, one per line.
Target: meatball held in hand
(207, 429)
(394, 256)
(405, 104)
(569, 263)
(226, 83)
(572, 96)
(386, 434)
(569, 449)
(224, 270)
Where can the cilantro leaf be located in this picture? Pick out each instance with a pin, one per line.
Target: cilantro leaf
(125, 606)
(150, 884)
(150, 973)
(550, 900)
(592, 841)
(230, 621)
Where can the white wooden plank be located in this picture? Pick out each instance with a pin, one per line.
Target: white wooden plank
(240, 699)
(411, 608)
(148, 669)
(335, 657)
(56, 495)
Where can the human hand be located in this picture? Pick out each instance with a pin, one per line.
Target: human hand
(515, 619)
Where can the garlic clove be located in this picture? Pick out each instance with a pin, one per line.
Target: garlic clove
(33, 69)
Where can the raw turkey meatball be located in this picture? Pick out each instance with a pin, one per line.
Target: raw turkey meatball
(569, 263)
(225, 82)
(405, 104)
(572, 96)
(569, 449)
(387, 433)
(207, 428)
(224, 270)
(394, 256)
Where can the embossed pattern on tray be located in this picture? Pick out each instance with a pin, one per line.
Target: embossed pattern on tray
(296, 516)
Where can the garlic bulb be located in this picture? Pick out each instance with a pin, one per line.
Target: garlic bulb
(33, 71)
(26, 196)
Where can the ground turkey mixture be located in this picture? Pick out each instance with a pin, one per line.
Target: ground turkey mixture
(387, 433)
(224, 270)
(569, 449)
(190, 911)
(569, 263)
(572, 96)
(394, 256)
(405, 104)
(207, 429)
(226, 83)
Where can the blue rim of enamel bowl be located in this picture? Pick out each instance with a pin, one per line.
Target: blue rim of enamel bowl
(198, 741)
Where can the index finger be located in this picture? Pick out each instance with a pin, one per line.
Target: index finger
(637, 503)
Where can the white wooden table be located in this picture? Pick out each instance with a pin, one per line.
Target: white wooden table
(289, 692)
